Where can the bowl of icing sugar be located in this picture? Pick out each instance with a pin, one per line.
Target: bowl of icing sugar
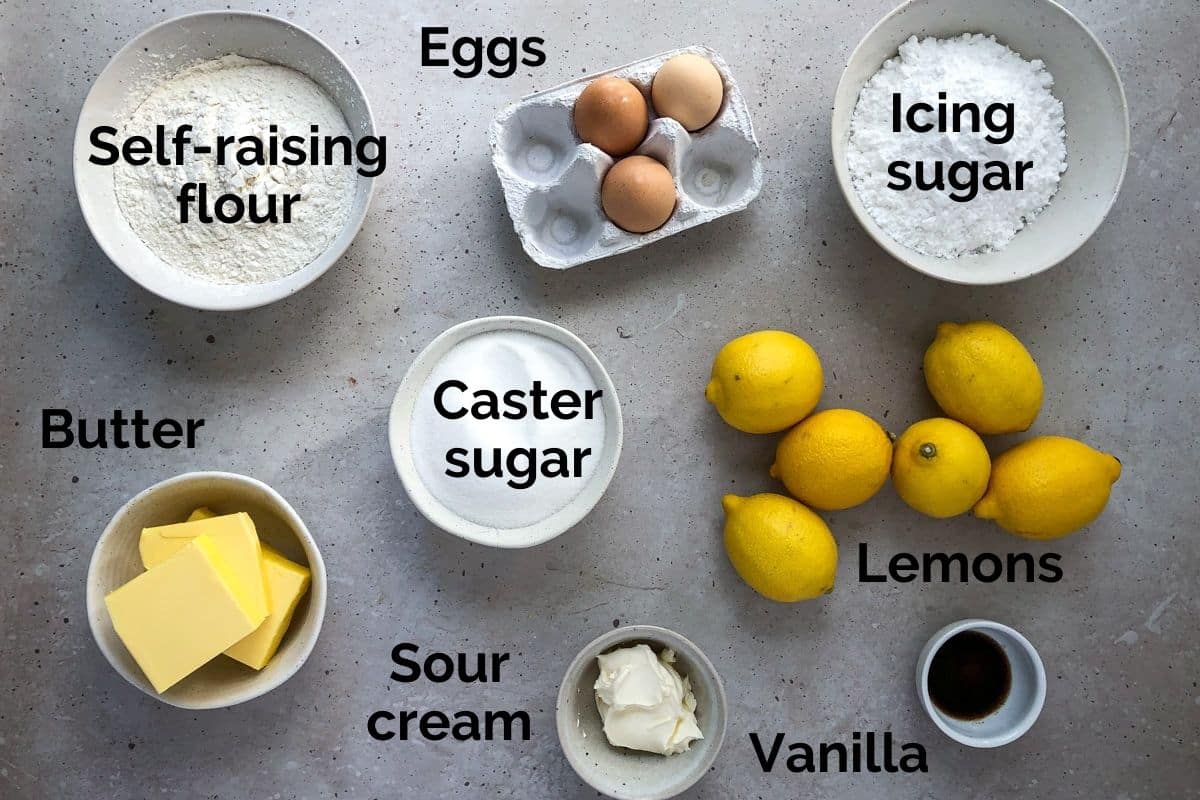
(506, 431)
(1070, 117)
(226, 73)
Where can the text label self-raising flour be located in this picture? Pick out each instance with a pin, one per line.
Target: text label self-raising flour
(956, 144)
(236, 97)
(508, 428)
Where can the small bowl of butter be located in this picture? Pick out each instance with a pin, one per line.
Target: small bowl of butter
(641, 713)
(206, 590)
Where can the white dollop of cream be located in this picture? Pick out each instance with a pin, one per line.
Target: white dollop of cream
(644, 701)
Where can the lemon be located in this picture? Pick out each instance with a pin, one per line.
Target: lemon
(765, 381)
(1048, 487)
(981, 375)
(783, 550)
(940, 467)
(834, 459)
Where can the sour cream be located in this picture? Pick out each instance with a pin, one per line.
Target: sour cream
(644, 701)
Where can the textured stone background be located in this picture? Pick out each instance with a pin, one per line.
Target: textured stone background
(297, 393)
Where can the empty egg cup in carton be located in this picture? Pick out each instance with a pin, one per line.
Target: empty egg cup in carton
(552, 179)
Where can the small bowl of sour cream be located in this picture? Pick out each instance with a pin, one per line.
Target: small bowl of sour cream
(646, 668)
(506, 431)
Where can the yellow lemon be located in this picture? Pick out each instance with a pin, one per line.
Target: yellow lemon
(981, 375)
(783, 550)
(940, 467)
(834, 459)
(1048, 487)
(765, 381)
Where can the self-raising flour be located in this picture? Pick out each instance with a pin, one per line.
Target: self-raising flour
(237, 97)
(956, 144)
(508, 428)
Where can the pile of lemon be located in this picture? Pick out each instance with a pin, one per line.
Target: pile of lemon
(984, 380)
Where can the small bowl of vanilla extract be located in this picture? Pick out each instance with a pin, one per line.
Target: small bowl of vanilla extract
(982, 683)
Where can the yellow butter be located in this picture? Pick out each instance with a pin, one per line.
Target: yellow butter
(179, 615)
(287, 582)
(234, 537)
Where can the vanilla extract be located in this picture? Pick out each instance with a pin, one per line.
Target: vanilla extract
(969, 676)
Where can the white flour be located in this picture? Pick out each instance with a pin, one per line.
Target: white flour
(236, 96)
(971, 68)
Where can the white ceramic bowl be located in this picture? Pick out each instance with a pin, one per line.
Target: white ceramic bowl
(160, 52)
(399, 435)
(115, 561)
(630, 774)
(1026, 695)
(1097, 126)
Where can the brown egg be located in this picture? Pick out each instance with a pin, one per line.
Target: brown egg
(638, 194)
(611, 113)
(688, 89)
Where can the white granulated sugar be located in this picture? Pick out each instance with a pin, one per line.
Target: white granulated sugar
(236, 96)
(510, 450)
(969, 68)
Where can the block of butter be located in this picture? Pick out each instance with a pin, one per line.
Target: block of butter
(179, 615)
(287, 582)
(234, 537)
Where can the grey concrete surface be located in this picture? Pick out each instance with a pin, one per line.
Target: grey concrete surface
(296, 394)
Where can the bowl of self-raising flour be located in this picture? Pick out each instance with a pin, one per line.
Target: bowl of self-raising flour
(225, 160)
(506, 431)
(980, 142)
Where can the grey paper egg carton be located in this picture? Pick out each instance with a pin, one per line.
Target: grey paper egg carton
(552, 179)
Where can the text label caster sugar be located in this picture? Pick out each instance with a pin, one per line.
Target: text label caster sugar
(956, 144)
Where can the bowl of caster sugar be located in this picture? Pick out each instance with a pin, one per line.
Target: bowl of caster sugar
(225, 160)
(506, 431)
(980, 142)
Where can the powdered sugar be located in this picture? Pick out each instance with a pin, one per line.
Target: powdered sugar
(969, 68)
(236, 96)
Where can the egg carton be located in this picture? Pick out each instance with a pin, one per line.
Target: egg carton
(551, 178)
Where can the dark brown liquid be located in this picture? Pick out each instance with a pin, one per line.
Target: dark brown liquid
(969, 676)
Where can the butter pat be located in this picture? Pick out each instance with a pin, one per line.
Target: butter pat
(234, 537)
(179, 615)
(287, 582)
(644, 702)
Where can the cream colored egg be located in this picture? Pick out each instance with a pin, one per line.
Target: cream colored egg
(688, 89)
(638, 194)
